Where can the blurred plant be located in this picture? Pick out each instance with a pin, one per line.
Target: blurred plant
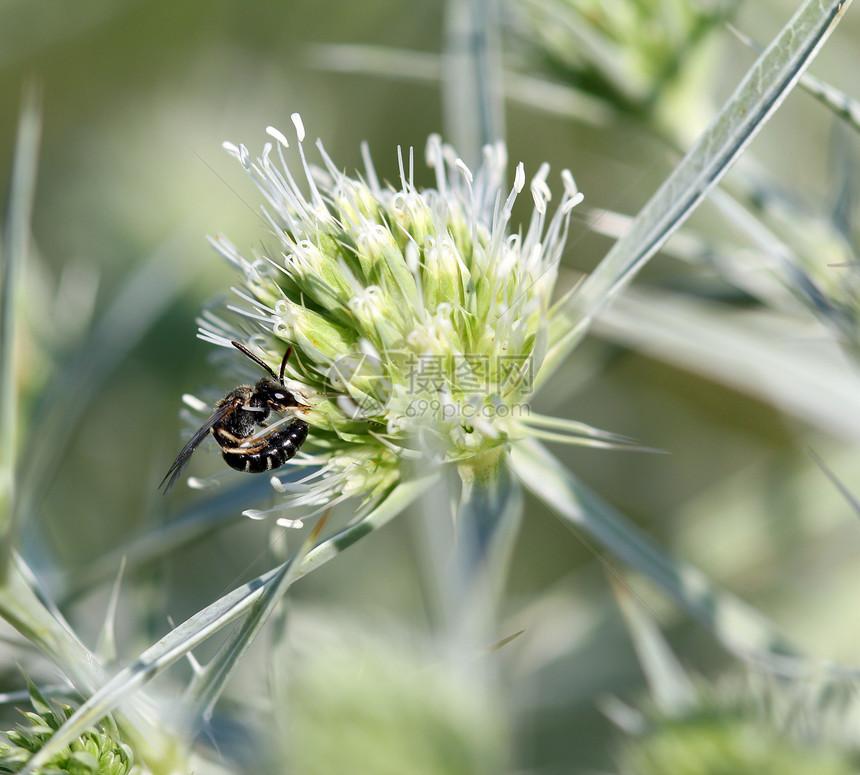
(421, 322)
(367, 699)
(97, 752)
(655, 62)
(742, 726)
(23, 602)
(735, 731)
(810, 245)
(650, 59)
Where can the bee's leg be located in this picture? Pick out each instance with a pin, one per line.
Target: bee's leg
(222, 436)
(243, 447)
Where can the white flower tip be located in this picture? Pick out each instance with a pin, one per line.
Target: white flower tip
(239, 151)
(192, 402)
(443, 311)
(254, 514)
(294, 523)
(367, 349)
(349, 407)
(276, 484)
(573, 201)
(267, 149)
(569, 183)
(277, 135)
(464, 170)
(433, 149)
(196, 483)
(501, 154)
(539, 195)
(412, 257)
(520, 177)
(300, 127)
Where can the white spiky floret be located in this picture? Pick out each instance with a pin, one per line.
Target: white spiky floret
(403, 306)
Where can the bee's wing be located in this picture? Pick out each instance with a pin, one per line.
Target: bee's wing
(184, 456)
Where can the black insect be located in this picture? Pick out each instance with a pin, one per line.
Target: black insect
(233, 423)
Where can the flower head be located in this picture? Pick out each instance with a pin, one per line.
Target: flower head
(418, 318)
(752, 728)
(97, 752)
(636, 56)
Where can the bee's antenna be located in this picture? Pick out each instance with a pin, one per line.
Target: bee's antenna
(239, 346)
(284, 362)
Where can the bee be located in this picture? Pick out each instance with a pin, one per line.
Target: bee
(233, 424)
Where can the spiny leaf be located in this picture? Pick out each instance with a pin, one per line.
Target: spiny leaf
(738, 626)
(217, 615)
(760, 93)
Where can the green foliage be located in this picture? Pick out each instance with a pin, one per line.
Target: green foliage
(96, 752)
(367, 704)
(363, 274)
(735, 735)
(725, 744)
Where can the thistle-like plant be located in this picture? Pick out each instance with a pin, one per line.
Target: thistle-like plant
(418, 319)
(421, 321)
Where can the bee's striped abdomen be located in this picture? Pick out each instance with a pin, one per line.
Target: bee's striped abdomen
(269, 452)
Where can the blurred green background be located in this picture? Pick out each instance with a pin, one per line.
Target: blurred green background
(137, 99)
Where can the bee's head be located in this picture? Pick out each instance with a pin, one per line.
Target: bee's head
(275, 395)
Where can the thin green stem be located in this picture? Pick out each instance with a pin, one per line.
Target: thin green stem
(14, 246)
